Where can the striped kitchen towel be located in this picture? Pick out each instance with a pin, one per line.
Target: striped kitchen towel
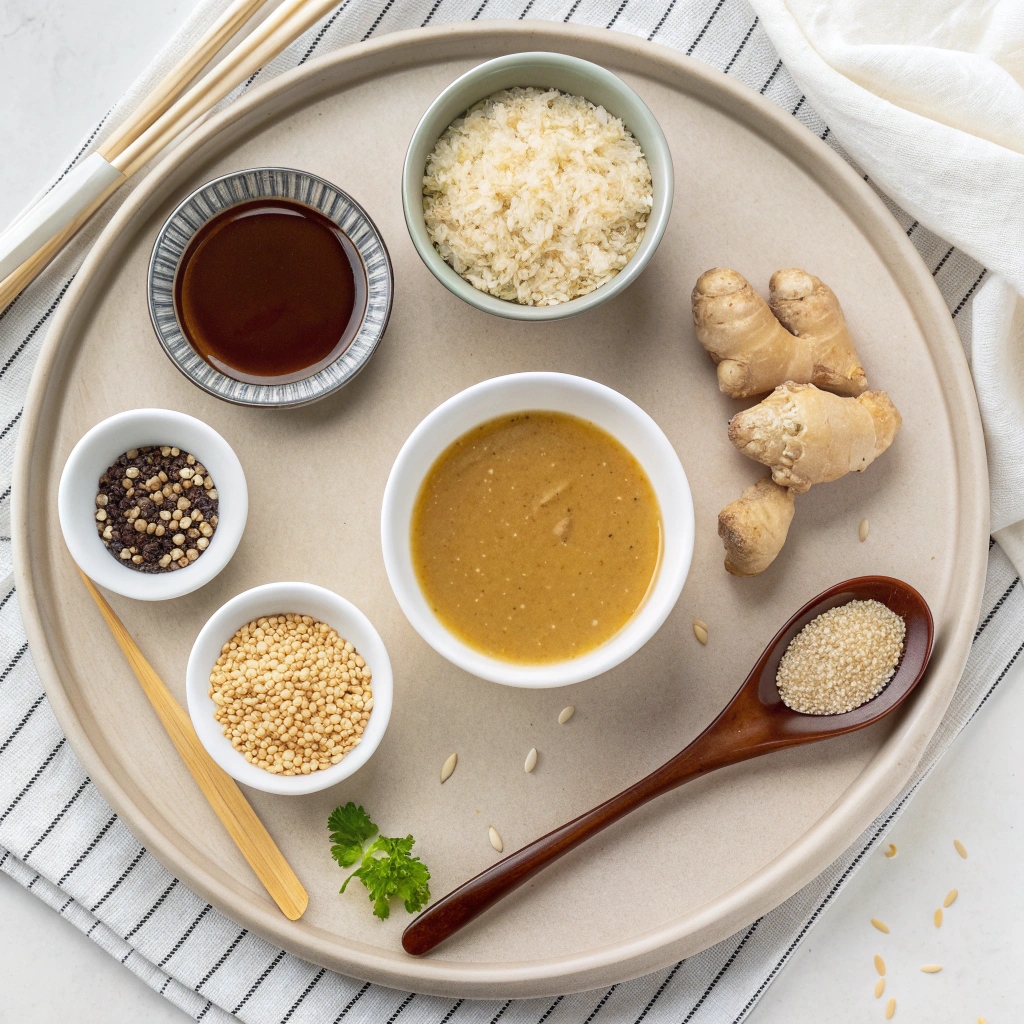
(59, 838)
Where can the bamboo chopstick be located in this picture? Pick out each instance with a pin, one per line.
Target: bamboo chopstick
(264, 43)
(180, 76)
(223, 794)
(163, 115)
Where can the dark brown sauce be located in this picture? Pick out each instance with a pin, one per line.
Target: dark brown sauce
(270, 291)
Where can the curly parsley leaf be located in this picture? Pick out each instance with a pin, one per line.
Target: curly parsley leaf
(350, 827)
(395, 873)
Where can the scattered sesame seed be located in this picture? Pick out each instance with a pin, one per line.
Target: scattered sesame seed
(495, 839)
(880, 925)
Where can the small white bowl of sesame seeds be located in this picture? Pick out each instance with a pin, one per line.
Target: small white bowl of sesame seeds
(289, 688)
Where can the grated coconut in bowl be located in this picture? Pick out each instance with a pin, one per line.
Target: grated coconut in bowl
(537, 197)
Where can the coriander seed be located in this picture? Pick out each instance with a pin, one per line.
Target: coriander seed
(291, 695)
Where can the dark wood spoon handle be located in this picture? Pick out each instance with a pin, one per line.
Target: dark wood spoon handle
(724, 742)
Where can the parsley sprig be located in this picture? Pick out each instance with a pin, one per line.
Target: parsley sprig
(387, 868)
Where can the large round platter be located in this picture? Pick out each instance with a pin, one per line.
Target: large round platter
(754, 191)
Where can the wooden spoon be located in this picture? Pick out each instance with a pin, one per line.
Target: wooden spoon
(755, 722)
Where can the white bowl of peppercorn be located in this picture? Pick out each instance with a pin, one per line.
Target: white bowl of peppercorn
(152, 504)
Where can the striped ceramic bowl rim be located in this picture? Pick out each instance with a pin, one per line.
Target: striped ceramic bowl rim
(280, 183)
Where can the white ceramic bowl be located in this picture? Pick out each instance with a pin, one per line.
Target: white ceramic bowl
(90, 458)
(520, 392)
(272, 599)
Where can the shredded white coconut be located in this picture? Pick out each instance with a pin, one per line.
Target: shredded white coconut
(536, 196)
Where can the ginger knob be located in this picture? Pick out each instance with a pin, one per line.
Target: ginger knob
(808, 436)
(809, 310)
(754, 527)
(802, 337)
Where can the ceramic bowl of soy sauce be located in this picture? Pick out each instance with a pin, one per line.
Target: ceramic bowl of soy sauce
(270, 287)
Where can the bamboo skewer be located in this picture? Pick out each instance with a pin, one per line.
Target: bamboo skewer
(223, 794)
(161, 117)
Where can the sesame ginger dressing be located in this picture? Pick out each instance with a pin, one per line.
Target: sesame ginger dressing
(536, 537)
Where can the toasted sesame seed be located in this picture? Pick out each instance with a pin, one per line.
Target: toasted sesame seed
(879, 988)
(841, 659)
(880, 925)
(448, 767)
(566, 714)
(890, 1009)
(960, 848)
(931, 968)
(950, 897)
(880, 965)
(700, 631)
(937, 917)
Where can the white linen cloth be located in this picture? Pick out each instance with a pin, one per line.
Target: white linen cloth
(60, 839)
(927, 96)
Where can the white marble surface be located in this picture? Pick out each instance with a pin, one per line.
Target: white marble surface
(62, 64)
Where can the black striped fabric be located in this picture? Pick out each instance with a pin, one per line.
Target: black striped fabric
(59, 838)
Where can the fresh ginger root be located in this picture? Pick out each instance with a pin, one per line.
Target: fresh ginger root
(754, 527)
(802, 337)
(807, 436)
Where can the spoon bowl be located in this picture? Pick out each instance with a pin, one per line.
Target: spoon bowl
(898, 597)
(754, 722)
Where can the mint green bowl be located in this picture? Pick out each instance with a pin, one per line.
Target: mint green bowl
(541, 70)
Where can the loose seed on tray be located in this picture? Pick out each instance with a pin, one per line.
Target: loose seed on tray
(931, 968)
(891, 851)
(937, 918)
(879, 988)
(531, 760)
(862, 530)
(130, 518)
(566, 714)
(841, 659)
(700, 631)
(890, 1009)
(880, 965)
(960, 848)
(292, 696)
(950, 898)
(495, 839)
(880, 925)
(448, 767)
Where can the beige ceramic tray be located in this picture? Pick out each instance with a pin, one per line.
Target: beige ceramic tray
(755, 191)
